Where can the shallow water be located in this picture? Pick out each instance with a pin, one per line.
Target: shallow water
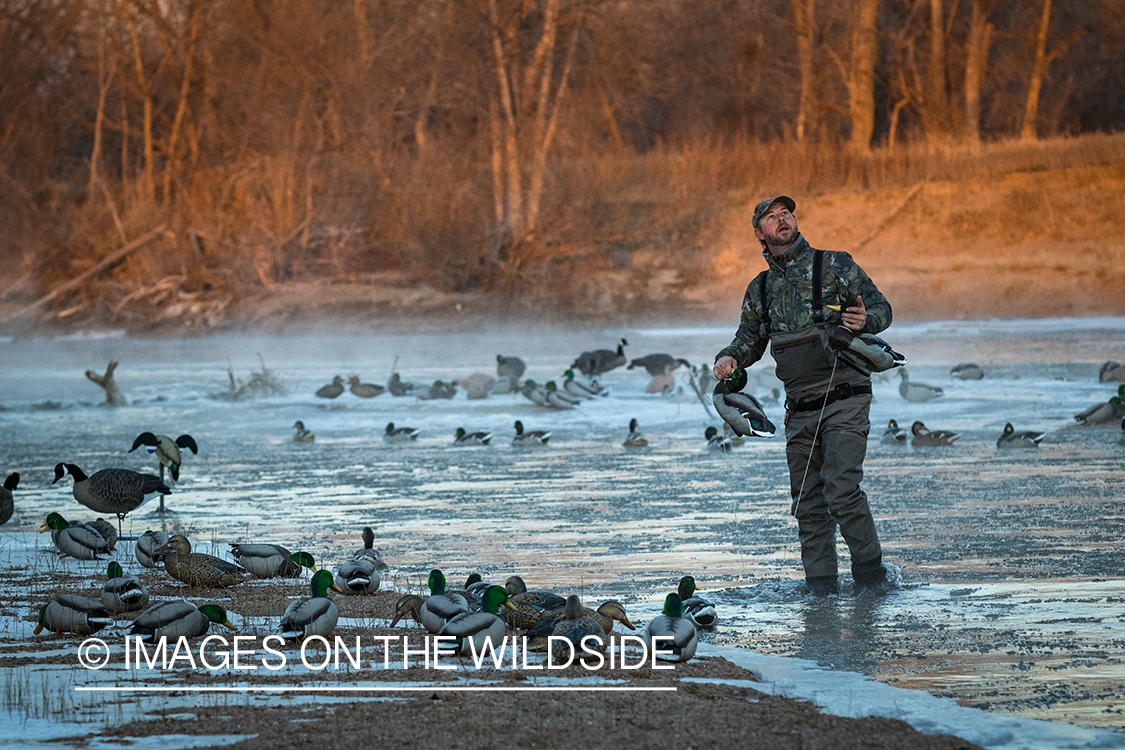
(1010, 560)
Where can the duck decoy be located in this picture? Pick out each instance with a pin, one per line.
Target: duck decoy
(528, 607)
(357, 577)
(701, 612)
(271, 560)
(7, 501)
(197, 569)
(510, 367)
(174, 620)
(332, 390)
(671, 636)
(364, 390)
(400, 434)
(535, 393)
(925, 437)
(610, 612)
(147, 544)
(577, 388)
(531, 437)
(408, 605)
(123, 593)
(504, 385)
(557, 399)
(440, 389)
(471, 438)
(77, 540)
(967, 371)
(167, 453)
(1009, 438)
(716, 441)
(916, 392)
(1122, 440)
(303, 435)
(894, 435)
(741, 410)
(658, 364)
(316, 615)
(635, 438)
(477, 386)
(67, 613)
(1107, 411)
(440, 607)
(600, 360)
(1111, 372)
(368, 550)
(105, 528)
(477, 633)
(399, 387)
(115, 491)
(583, 633)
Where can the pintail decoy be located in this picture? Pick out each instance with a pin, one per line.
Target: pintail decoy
(916, 392)
(332, 390)
(67, 613)
(7, 501)
(575, 628)
(600, 360)
(115, 491)
(967, 371)
(699, 611)
(925, 437)
(531, 437)
(174, 620)
(658, 364)
(197, 569)
(471, 438)
(147, 544)
(677, 637)
(894, 435)
(1009, 438)
(364, 390)
(316, 615)
(479, 632)
(635, 438)
(400, 434)
(77, 540)
(123, 593)
(271, 560)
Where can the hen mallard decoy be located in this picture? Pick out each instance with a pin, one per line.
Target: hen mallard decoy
(440, 607)
(529, 608)
(600, 360)
(582, 632)
(531, 437)
(77, 540)
(658, 364)
(147, 544)
(925, 437)
(699, 611)
(894, 435)
(477, 633)
(1107, 411)
(271, 560)
(364, 390)
(967, 371)
(399, 387)
(67, 613)
(167, 451)
(1111, 372)
(582, 390)
(510, 367)
(716, 441)
(368, 550)
(400, 434)
(316, 615)
(303, 435)
(7, 501)
(408, 605)
(174, 620)
(471, 438)
(333, 389)
(358, 577)
(123, 593)
(671, 636)
(610, 612)
(115, 491)
(916, 392)
(1009, 438)
(635, 438)
(197, 569)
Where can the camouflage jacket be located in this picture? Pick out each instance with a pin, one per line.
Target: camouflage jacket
(789, 295)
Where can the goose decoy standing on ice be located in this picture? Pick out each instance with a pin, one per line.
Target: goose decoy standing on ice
(916, 392)
(115, 491)
(333, 389)
(530, 437)
(671, 634)
(894, 435)
(364, 390)
(7, 502)
(167, 453)
(967, 371)
(925, 437)
(303, 435)
(197, 569)
(635, 438)
(1009, 438)
(600, 360)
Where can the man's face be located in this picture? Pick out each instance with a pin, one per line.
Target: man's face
(777, 227)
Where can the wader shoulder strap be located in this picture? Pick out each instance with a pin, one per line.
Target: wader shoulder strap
(765, 302)
(817, 296)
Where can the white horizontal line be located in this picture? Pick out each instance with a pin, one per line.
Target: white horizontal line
(387, 689)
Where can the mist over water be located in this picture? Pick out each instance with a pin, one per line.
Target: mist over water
(1010, 561)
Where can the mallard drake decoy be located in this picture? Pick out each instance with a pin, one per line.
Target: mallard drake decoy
(399, 387)
(67, 613)
(672, 632)
(741, 410)
(105, 528)
(610, 612)
(477, 633)
(115, 491)
(368, 550)
(925, 437)
(557, 399)
(531, 437)
(916, 392)
(474, 588)
(332, 390)
(400, 434)
(635, 438)
(583, 633)
(699, 611)
(147, 544)
(7, 502)
(440, 389)
(271, 560)
(471, 438)
(528, 607)
(477, 386)
(510, 367)
(534, 393)
(358, 577)
(316, 615)
(364, 390)
(76, 539)
(579, 389)
(1107, 411)
(440, 607)
(167, 452)
(123, 593)
(1009, 438)
(408, 605)
(1111, 372)
(302, 435)
(716, 441)
(197, 569)
(894, 435)
(658, 364)
(174, 620)
(600, 360)
(967, 371)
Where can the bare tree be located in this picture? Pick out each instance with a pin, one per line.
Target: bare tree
(976, 62)
(1043, 58)
(804, 26)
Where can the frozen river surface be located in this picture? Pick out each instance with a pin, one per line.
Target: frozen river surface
(1011, 561)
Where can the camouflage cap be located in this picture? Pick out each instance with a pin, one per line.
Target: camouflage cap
(764, 206)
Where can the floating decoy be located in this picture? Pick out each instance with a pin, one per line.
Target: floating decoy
(672, 632)
(967, 371)
(479, 632)
(364, 390)
(471, 438)
(580, 389)
(477, 386)
(635, 438)
(440, 389)
(368, 550)
(440, 607)
(398, 387)
(303, 435)
(123, 593)
(658, 364)
(534, 393)
(147, 544)
(332, 390)
(271, 560)
(76, 539)
(400, 434)
(1107, 411)
(316, 615)
(511, 367)
(894, 435)
(716, 441)
(197, 569)
(699, 611)
(1111, 372)
(1009, 438)
(357, 577)
(600, 360)
(67, 613)
(174, 620)
(925, 437)
(7, 502)
(557, 399)
(915, 392)
(583, 633)
(115, 491)
(408, 605)
(531, 437)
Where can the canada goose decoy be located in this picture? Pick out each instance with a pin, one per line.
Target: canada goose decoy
(582, 390)
(471, 438)
(303, 435)
(400, 434)
(197, 569)
(658, 364)
(398, 387)
(271, 560)
(925, 437)
(368, 550)
(1009, 438)
(7, 501)
(915, 392)
(716, 441)
(635, 438)
(479, 632)
(77, 540)
(147, 544)
(1107, 411)
(123, 593)
(672, 632)
(364, 390)
(1111, 372)
(332, 390)
(894, 435)
(557, 399)
(67, 613)
(583, 633)
(531, 437)
(115, 491)
(600, 360)
(440, 607)
(316, 615)
(967, 371)
(699, 611)
(174, 620)
(357, 577)
(167, 453)
(512, 367)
